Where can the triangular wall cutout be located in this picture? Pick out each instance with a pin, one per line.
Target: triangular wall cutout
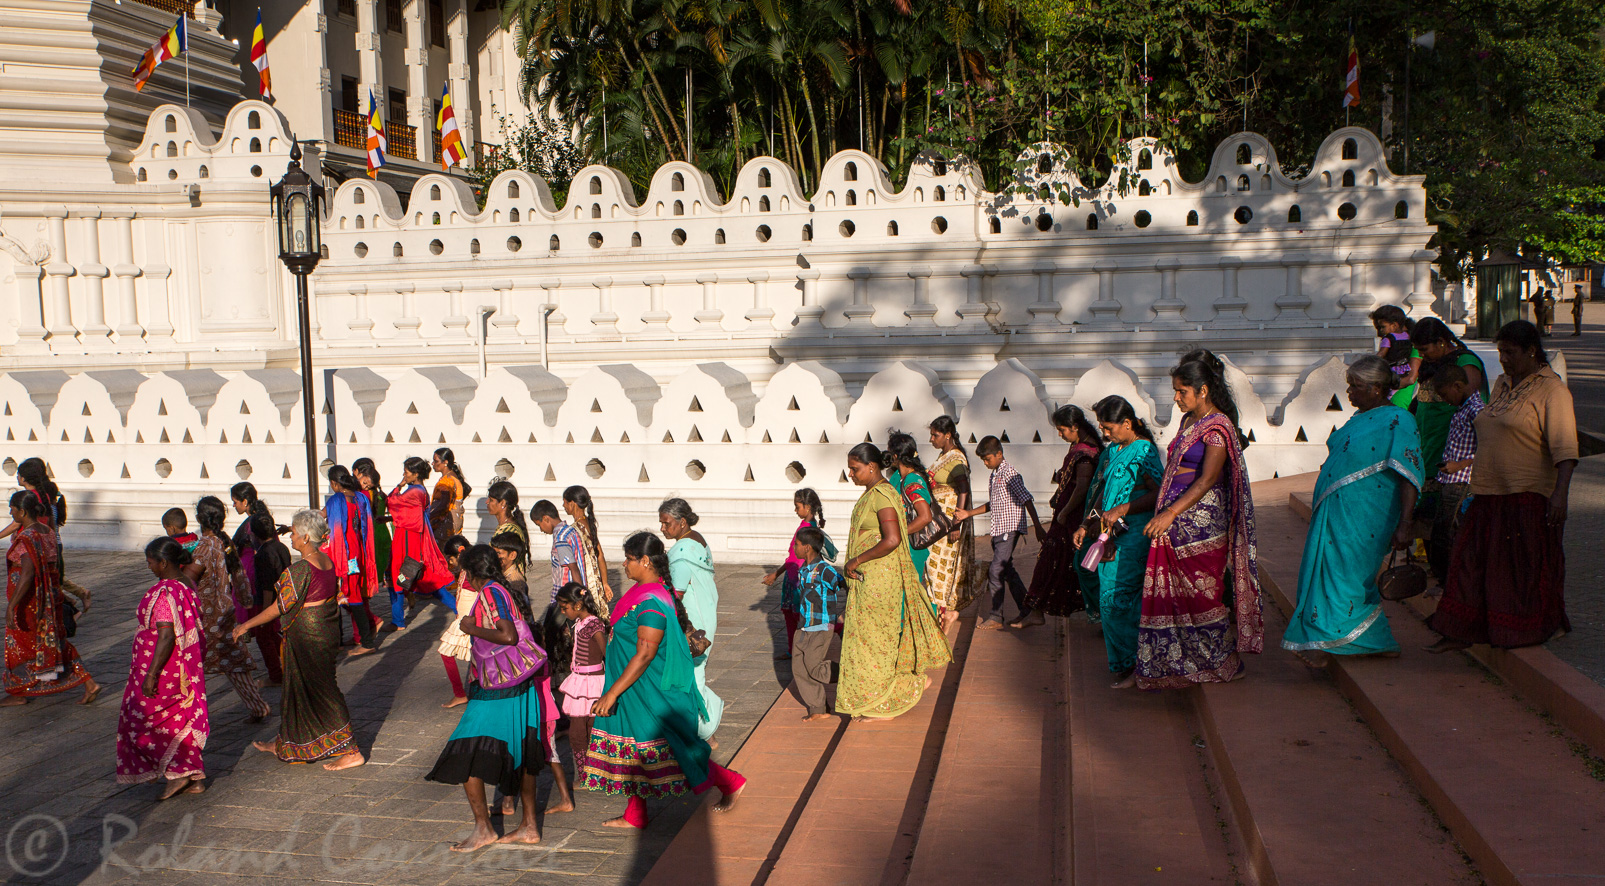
(824, 437)
(794, 438)
(696, 435)
(85, 412)
(110, 438)
(1250, 435)
(505, 437)
(412, 408)
(766, 437)
(748, 477)
(1004, 406)
(1004, 438)
(551, 475)
(596, 435)
(1036, 437)
(246, 437)
(161, 407)
(790, 407)
(696, 405)
(1300, 438)
(476, 438)
(972, 439)
(204, 475)
(328, 436)
(126, 475)
(842, 478)
(897, 404)
(725, 437)
(244, 410)
(353, 437)
(164, 437)
(532, 437)
(90, 438)
(1334, 405)
(867, 439)
(8, 411)
(442, 440)
(187, 437)
(328, 408)
(643, 478)
(570, 438)
(32, 437)
(501, 405)
(596, 406)
(668, 436)
(222, 437)
(139, 437)
(625, 438)
(269, 437)
(65, 440)
(389, 437)
(286, 472)
(10, 437)
(415, 438)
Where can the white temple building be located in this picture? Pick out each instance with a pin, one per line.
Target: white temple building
(725, 348)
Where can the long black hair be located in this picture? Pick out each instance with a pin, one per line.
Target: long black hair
(481, 564)
(417, 467)
(1202, 369)
(36, 473)
(944, 424)
(256, 509)
(648, 545)
(28, 503)
(506, 493)
(340, 478)
(445, 455)
(867, 453)
(1071, 416)
(1115, 409)
(577, 594)
(904, 451)
(808, 498)
(365, 468)
(210, 515)
(163, 549)
(581, 497)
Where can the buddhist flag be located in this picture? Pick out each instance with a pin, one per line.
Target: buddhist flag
(377, 146)
(259, 59)
(175, 41)
(1351, 77)
(451, 139)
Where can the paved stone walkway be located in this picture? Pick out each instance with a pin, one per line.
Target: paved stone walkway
(67, 821)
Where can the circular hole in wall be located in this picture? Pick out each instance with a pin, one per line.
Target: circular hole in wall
(795, 472)
(504, 469)
(1347, 212)
(164, 468)
(1143, 219)
(172, 174)
(846, 228)
(436, 247)
(595, 240)
(678, 237)
(243, 469)
(595, 469)
(763, 234)
(939, 225)
(1044, 222)
(256, 171)
(514, 244)
(361, 249)
(695, 469)
(1243, 214)
(86, 468)
(10, 466)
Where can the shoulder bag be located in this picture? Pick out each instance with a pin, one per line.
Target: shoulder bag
(505, 666)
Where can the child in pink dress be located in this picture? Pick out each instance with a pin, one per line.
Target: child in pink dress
(584, 684)
(812, 513)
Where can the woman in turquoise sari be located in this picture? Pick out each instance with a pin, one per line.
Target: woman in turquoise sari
(691, 574)
(1125, 485)
(644, 741)
(1363, 502)
(909, 477)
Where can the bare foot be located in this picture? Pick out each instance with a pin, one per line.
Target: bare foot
(91, 692)
(927, 683)
(528, 835)
(509, 807)
(1317, 660)
(361, 650)
(1125, 682)
(713, 743)
(455, 701)
(947, 619)
(815, 717)
(1447, 645)
(266, 747)
(563, 804)
(617, 823)
(266, 683)
(196, 787)
(479, 839)
(12, 701)
(728, 801)
(1032, 620)
(174, 786)
(346, 761)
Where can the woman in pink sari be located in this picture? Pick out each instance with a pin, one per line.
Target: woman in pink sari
(164, 724)
(1200, 594)
(39, 658)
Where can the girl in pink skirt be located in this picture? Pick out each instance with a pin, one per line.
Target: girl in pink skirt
(584, 684)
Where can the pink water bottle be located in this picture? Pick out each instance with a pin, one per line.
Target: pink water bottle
(1095, 553)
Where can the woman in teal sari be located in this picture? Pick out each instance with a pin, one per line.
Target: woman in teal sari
(644, 741)
(909, 477)
(691, 575)
(1125, 485)
(1363, 502)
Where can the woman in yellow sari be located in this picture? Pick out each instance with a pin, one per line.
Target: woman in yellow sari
(890, 638)
(948, 575)
(446, 503)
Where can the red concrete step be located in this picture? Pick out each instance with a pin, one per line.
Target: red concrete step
(1308, 783)
(994, 813)
(1503, 780)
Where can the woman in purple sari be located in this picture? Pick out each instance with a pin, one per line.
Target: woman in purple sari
(1200, 594)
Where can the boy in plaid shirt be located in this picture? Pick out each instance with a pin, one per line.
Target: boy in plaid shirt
(1454, 475)
(819, 607)
(1009, 502)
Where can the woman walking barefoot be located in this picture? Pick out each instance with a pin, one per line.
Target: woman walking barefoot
(210, 572)
(950, 580)
(644, 740)
(408, 505)
(315, 722)
(1055, 585)
(163, 725)
(39, 658)
(691, 576)
(350, 517)
(498, 740)
(446, 504)
(577, 504)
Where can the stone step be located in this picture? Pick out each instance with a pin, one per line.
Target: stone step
(1509, 785)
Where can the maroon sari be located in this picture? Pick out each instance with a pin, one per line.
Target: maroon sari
(1055, 586)
(1200, 593)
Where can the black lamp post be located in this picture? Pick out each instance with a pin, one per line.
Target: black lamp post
(298, 210)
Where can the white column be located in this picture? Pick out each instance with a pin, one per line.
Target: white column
(62, 330)
(810, 314)
(1419, 302)
(1357, 302)
(710, 316)
(407, 324)
(1105, 311)
(1229, 307)
(1294, 304)
(95, 331)
(420, 104)
(1169, 309)
(860, 313)
(504, 320)
(656, 318)
(1045, 312)
(456, 325)
(360, 324)
(128, 328)
(921, 312)
(554, 320)
(159, 327)
(370, 31)
(463, 97)
(761, 315)
(974, 310)
(31, 322)
(604, 321)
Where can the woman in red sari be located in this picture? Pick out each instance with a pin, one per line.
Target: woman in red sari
(164, 722)
(1200, 594)
(413, 540)
(39, 659)
(350, 546)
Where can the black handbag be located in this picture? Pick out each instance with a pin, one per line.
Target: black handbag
(407, 575)
(1403, 581)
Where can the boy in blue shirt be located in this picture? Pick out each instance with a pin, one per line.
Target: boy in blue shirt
(819, 607)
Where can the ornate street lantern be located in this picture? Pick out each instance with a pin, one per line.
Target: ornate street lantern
(298, 215)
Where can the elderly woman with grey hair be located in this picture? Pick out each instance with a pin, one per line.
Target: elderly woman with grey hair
(691, 579)
(316, 723)
(1362, 506)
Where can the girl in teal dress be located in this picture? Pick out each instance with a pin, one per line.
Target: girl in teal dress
(691, 575)
(1125, 485)
(498, 740)
(644, 741)
(1362, 508)
(913, 483)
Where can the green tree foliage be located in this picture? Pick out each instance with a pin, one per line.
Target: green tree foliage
(1504, 113)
